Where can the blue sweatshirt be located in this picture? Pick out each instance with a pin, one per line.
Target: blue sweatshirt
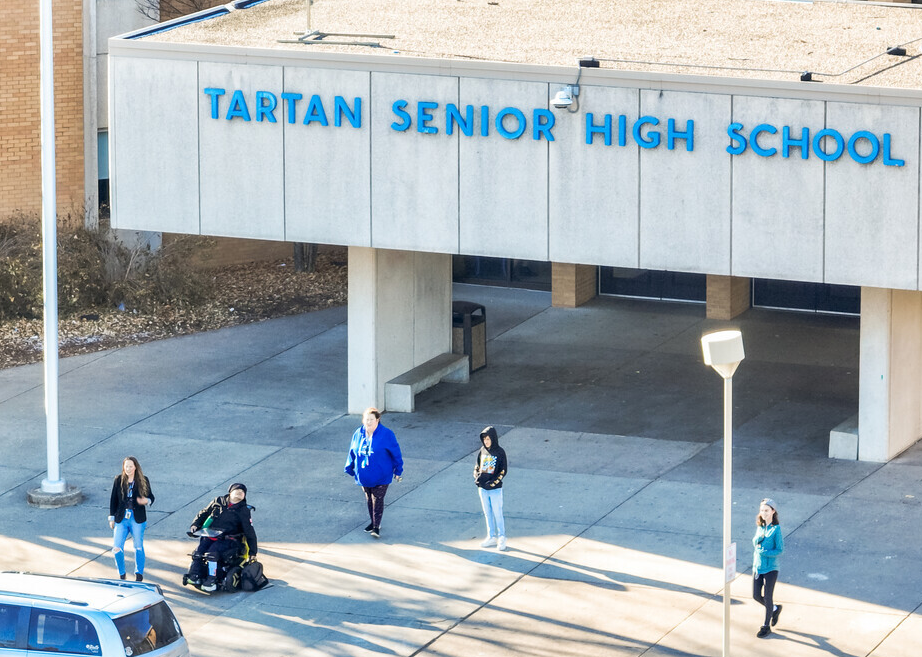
(374, 461)
(768, 546)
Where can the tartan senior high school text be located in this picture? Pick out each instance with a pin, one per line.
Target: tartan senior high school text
(765, 139)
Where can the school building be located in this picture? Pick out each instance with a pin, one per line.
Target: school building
(721, 151)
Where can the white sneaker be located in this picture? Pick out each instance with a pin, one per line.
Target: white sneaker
(489, 541)
(501, 543)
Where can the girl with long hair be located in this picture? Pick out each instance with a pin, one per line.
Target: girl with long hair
(128, 503)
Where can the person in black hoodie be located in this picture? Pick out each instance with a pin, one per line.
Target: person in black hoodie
(229, 514)
(489, 471)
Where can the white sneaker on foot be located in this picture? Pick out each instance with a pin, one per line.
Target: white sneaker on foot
(501, 543)
(489, 541)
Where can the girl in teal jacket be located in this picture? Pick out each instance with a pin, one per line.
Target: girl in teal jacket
(768, 546)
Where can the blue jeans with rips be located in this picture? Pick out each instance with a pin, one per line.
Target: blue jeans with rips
(120, 535)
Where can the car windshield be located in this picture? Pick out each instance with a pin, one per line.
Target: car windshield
(148, 629)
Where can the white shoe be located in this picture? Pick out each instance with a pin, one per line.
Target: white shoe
(489, 541)
(501, 543)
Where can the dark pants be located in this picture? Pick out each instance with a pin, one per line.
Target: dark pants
(210, 549)
(765, 584)
(374, 498)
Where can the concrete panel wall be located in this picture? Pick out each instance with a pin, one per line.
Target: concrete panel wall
(414, 172)
(890, 387)
(684, 209)
(503, 182)
(399, 317)
(594, 188)
(153, 158)
(872, 210)
(242, 193)
(327, 198)
(777, 201)
(702, 210)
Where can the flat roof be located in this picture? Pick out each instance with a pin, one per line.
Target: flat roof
(754, 39)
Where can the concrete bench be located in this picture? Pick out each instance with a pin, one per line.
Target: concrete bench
(843, 440)
(400, 392)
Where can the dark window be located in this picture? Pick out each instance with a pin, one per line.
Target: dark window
(653, 284)
(57, 631)
(148, 629)
(817, 297)
(508, 272)
(9, 618)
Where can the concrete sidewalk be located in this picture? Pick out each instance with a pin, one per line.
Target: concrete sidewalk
(613, 500)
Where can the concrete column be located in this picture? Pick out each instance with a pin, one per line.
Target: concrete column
(728, 296)
(572, 285)
(399, 317)
(890, 376)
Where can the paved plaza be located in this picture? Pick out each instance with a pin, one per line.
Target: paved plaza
(612, 427)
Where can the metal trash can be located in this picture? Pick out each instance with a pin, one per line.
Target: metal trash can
(469, 332)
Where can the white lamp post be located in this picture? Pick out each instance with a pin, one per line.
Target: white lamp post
(723, 350)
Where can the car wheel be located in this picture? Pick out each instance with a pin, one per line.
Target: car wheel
(232, 579)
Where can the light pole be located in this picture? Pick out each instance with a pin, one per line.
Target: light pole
(723, 350)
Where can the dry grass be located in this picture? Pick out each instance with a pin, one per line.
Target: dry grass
(242, 294)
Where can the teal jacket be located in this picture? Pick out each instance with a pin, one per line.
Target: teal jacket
(768, 545)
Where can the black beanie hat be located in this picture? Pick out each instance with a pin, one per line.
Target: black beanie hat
(233, 487)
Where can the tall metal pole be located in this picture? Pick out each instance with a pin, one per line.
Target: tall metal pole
(728, 476)
(53, 483)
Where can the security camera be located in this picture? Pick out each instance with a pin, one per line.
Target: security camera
(562, 98)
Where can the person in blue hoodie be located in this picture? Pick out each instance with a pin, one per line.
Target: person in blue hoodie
(768, 546)
(375, 461)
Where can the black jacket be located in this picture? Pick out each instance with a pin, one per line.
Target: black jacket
(490, 467)
(118, 503)
(229, 518)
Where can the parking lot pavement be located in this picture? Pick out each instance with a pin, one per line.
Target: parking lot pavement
(612, 502)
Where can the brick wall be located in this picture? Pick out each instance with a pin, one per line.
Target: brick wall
(20, 127)
(727, 296)
(572, 285)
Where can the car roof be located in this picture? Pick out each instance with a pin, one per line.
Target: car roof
(112, 597)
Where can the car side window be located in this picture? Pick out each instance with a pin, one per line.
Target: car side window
(58, 631)
(9, 618)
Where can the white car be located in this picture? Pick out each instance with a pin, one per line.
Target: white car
(75, 616)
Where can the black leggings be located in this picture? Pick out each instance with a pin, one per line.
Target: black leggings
(374, 498)
(765, 582)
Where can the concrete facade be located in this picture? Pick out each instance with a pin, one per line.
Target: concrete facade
(409, 160)
(399, 317)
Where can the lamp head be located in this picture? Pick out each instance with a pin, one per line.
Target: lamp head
(563, 98)
(723, 350)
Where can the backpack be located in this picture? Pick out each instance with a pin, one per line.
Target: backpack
(252, 578)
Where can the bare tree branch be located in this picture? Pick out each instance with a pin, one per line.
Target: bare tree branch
(164, 10)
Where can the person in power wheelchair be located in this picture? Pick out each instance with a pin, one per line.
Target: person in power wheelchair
(227, 541)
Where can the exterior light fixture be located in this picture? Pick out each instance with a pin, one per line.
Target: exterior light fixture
(723, 350)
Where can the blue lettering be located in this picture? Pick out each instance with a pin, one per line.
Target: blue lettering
(465, 123)
(341, 108)
(889, 161)
(803, 143)
(653, 138)
(266, 109)
(315, 112)
(754, 139)
(214, 93)
(592, 129)
(398, 108)
(672, 134)
(290, 100)
(423, 117)
(872, 139)
(238, 107)
(519, 117)
(836, 136)
(622, 130)
(738, 144)
(484, 120)
(542, 127)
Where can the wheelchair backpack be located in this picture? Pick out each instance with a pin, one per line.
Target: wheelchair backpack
(252, 578)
